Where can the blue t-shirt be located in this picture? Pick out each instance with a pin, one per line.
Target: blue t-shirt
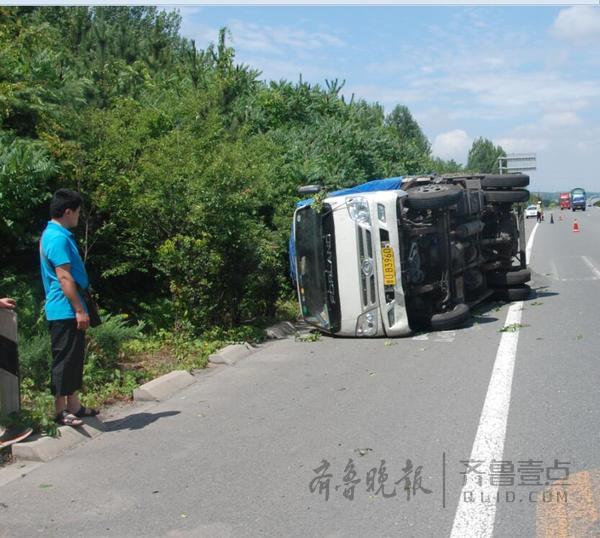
(58, 247)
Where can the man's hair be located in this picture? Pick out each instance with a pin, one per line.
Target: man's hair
(64, 199)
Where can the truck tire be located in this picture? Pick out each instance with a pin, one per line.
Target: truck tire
(516, 293)
(506, 181)
(435, 196)
(514, 196)
(514, 277)
(453, 319)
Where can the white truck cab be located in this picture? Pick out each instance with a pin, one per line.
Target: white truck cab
(361, 291)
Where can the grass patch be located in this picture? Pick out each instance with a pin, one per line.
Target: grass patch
(119, 358)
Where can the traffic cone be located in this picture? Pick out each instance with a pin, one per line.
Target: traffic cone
(575, 226)
(551, 218)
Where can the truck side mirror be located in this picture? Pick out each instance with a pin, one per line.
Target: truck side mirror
(310, 189)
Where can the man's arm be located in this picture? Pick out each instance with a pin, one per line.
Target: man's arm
(7, 302)
(69, 287)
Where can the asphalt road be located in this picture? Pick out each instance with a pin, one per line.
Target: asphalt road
(235, 454)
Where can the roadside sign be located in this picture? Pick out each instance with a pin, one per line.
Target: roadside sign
(517, 162)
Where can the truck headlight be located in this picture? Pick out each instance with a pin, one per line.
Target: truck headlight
(358, 209)
(366, 324)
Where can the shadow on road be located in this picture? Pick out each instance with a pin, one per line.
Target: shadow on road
(137, 421)
(477, 319)
(543, 291)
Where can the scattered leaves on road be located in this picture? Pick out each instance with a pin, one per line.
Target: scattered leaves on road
(579, 337)
(536, 303)
(309, 337)
(45, 486)
(513, 327)
(389, 343)
(362, 451)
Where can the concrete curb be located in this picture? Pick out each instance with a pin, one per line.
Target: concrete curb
(231, 354)
(163, 387)
(281, 330)
(45, 448)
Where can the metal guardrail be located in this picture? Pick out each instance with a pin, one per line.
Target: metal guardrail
(10, 400)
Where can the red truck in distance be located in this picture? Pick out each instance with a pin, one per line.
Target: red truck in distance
(564, 200)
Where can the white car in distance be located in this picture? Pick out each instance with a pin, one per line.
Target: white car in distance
(531, 211)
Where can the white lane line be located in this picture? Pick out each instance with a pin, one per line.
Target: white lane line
(591, 265)
(474, 519)
(530, 243)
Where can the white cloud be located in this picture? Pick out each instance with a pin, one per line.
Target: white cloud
(453, 144)
(560, 120)
(522, 145)
(201, 33)
(389, 97)
(251, 36)
(286, 68)
(515, 92)
(578, 24)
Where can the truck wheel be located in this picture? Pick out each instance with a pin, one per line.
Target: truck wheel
(456, 317)
(514, 277)
(517, 293)
(506, 181)
(434, 196)
(515, 196)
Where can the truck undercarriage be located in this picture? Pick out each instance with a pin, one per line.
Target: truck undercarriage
(462, 241)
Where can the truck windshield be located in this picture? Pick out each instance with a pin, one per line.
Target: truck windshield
(317, 278)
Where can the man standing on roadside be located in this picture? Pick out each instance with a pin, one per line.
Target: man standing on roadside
(62, 271)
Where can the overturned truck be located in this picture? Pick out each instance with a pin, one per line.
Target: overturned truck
(398, 255)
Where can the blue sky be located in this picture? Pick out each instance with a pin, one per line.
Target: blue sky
(527, 78)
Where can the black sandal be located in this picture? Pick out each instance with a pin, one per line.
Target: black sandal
(64, 418)
(86, 412)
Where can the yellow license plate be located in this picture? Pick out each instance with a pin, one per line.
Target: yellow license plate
(389, 267)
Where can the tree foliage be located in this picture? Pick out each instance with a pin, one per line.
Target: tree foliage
(401, 121)
(483, 156)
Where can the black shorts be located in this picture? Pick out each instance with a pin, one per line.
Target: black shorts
(68, 351)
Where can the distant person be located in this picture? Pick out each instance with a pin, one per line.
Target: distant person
(62, 272)
(539, 213)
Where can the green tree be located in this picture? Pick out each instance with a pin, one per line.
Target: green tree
(483, 156)
(401, 121)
